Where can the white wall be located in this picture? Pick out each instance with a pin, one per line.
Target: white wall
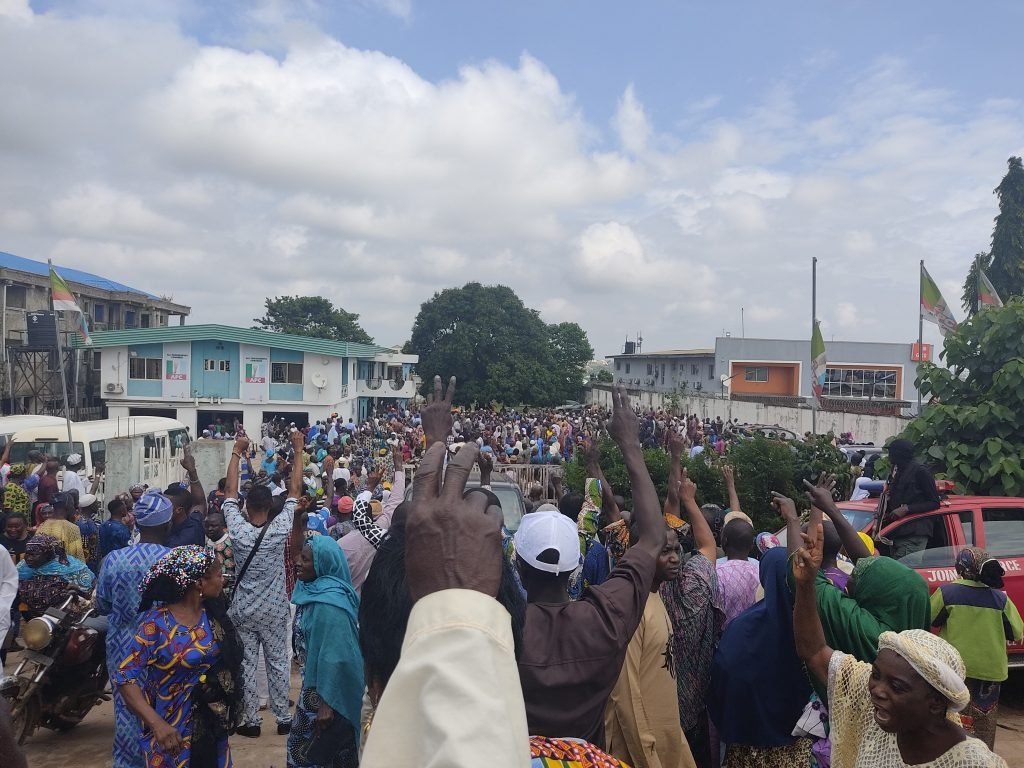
(865, 429)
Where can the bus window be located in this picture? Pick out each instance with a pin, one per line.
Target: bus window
(20, 451)
(98, 449)
(151, 451)
(179, 438)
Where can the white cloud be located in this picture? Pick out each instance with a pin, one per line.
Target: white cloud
(631, 122)
(290, 162)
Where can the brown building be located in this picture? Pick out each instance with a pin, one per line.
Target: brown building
(31, 376)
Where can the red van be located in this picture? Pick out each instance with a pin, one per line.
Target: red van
(993, 523)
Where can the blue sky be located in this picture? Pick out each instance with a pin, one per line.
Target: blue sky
(647, 165)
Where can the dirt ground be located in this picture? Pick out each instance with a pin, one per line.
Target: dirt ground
(88, 745)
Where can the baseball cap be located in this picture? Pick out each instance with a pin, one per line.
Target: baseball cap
(545, 529)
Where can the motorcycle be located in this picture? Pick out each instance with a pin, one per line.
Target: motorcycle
(62, 673)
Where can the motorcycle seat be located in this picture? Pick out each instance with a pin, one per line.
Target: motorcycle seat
(99, 623)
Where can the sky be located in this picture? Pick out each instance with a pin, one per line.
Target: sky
(662, 168)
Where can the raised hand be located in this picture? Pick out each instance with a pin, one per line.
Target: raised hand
(729, 474)
(241, 446)
(453, 542)
(820, 495)
(676, 444)
(808, 558)
(687, 489)
(624, 426)
(188, 461)
(785, 505)
(298, 441)
(436, 417)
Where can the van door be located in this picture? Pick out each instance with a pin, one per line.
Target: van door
(1003, 538)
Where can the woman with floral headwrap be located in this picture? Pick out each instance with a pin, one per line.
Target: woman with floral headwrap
(46, 573)
(899, 710)
(182, 675)
(977, 618)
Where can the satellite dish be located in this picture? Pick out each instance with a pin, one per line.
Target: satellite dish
(319, 380)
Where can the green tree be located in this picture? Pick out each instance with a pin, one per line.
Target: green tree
(497, 347)
(603, 376)
(570, 352)
(1005, 267)
(311, 316)
(969, 299)
(762, 465)
(972, 431)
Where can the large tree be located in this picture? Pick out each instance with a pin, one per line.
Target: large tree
(497, 347)
(1005, 260)
(972, 431)
(311, 316)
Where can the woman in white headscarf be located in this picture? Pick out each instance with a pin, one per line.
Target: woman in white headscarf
(898, 711)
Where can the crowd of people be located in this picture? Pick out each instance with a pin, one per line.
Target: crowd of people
(424, 630)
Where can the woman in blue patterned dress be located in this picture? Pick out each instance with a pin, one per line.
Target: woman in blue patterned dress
(181, 675)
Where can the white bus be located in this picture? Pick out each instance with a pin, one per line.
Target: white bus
(11, 424)
(163, 441)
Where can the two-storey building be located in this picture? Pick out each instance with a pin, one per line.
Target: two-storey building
(215, 374)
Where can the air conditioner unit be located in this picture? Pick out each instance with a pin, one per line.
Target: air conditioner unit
(111, 387)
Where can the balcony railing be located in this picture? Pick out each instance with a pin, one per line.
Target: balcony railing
(397, 384)
(374, 383)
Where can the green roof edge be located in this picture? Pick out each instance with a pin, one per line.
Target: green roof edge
(202, 332)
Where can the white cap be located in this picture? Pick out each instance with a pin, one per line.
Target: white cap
(547, 528)
(86, 500)
(74, 458)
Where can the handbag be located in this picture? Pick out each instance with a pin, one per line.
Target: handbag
(337, 738)
(245, 565)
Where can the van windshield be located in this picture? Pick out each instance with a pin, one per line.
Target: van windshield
(20, 451)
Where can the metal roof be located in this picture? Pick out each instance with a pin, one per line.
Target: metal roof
(32, 267)
(229, 333)
(671, 353)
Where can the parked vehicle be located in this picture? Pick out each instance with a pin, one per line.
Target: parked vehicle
(62, 673)
(513, 503)
(993, 523)
(9, 425)
(162, 438)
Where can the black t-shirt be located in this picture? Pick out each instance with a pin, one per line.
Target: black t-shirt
(15, 546)
(573, 652)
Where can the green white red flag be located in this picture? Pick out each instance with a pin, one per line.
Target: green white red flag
(817, 361)
(64, 301)
(933, 307)
(987, 296)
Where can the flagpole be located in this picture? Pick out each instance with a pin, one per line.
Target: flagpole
(60, 362)
(920, 325)
(814, 319)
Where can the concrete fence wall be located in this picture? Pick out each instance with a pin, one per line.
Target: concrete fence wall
(865, 429)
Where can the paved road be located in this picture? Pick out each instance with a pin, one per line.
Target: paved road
(88, 745)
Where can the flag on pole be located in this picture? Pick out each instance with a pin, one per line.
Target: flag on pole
(987, 296)
(817, 361)
(64, 301)
(933, 307)
(82, 329)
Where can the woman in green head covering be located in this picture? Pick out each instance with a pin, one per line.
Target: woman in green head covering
(882, 595)
(325, 729)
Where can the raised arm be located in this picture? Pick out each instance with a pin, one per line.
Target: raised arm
(188, 463)
(295, 484)
(624, 428)
(300, 522)
(807, 629)
(703, 538)
(675, 474)
(787, 509)
(821, 498)
(730, 486)
(237, 452)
